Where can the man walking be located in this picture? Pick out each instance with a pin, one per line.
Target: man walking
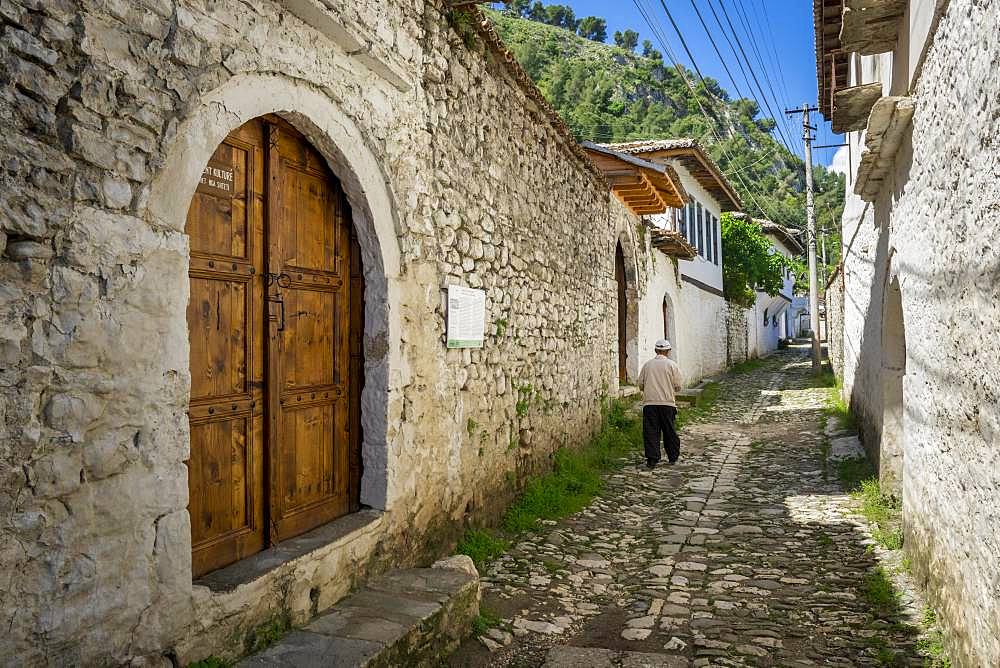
(660, 380)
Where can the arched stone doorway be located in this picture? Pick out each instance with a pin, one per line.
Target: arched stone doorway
(893, 442)
(275, 322)
(346, 154)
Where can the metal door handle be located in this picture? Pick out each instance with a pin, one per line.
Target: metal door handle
(281, 280)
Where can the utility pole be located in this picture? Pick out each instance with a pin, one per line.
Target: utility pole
(807, 139)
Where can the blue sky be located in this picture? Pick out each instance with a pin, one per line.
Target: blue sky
(784, 39)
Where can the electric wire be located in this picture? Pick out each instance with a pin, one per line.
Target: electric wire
(753, 74)
(781, 71)
(718, 54)
(747, 188)
(741, 13)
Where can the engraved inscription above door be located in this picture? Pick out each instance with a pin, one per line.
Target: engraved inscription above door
(273, 441)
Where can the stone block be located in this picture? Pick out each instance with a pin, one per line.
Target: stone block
(845, 448)
(403, 618)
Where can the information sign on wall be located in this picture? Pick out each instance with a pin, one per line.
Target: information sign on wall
(466, 317)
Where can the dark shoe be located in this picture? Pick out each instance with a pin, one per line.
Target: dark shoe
(671, 462)
(650, 464)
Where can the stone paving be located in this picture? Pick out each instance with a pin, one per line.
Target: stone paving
(745, 553)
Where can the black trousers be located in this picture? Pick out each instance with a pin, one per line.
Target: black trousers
(657, 422)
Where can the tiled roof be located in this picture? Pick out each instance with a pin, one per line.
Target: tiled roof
(650, 145)
(694, 158)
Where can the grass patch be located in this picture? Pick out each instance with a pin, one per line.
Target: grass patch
(575, 480)
(576, 476)
(881, 595)
(485, 620)
(268, 633)
(931, 646)
(825, 379)
(710, 395)
(883, 512)
(482, 546)
(853, 472)
(211, 662)
(836, 408)
(747, 366)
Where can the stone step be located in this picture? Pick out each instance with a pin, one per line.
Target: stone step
(593, 657)
(690, 395)
(405, 617)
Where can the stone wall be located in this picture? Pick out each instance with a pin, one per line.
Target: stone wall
(737, 335)
(933, 229)
(455, 174)
(835, 322)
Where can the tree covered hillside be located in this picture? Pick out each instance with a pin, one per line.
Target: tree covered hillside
(610, 93)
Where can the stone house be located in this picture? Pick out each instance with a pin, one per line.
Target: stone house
(682, 298)
(228, 235)
(914, 87)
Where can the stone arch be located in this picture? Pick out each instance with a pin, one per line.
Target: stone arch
(626, 279)
(349, 157)
(892, 442)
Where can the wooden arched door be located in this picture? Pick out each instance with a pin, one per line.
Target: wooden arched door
(275, 328)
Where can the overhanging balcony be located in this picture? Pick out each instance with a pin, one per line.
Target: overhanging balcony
(853, 105)
(887, 126)
(870, 27)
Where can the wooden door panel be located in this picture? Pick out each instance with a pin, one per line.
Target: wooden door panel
(226, 464)
(218, 315)
(310, 359)
(220, 468)
(309, 352)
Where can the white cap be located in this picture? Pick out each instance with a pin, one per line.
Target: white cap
(663, 344)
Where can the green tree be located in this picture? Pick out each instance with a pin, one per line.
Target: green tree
(593, 28)
(649, 52)
(749, 262)
(627, 40)
(517, 8)
(606, 94)
(561, 16)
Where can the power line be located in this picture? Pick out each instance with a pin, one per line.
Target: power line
(777, 61)
(711, 39)
(753, 74)
(680, 71)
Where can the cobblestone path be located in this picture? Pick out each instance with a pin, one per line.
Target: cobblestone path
(745, 553)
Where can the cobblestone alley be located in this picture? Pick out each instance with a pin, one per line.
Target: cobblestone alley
(745, 553)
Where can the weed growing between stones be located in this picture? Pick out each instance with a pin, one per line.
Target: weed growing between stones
(573, 483)
(932, 644)
(482, 547)
(837, 408)
(210, 662)
(882, 511)
(485, 620)
(268, 633)
(881, 595)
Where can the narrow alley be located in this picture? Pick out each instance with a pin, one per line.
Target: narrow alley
(744, 553)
